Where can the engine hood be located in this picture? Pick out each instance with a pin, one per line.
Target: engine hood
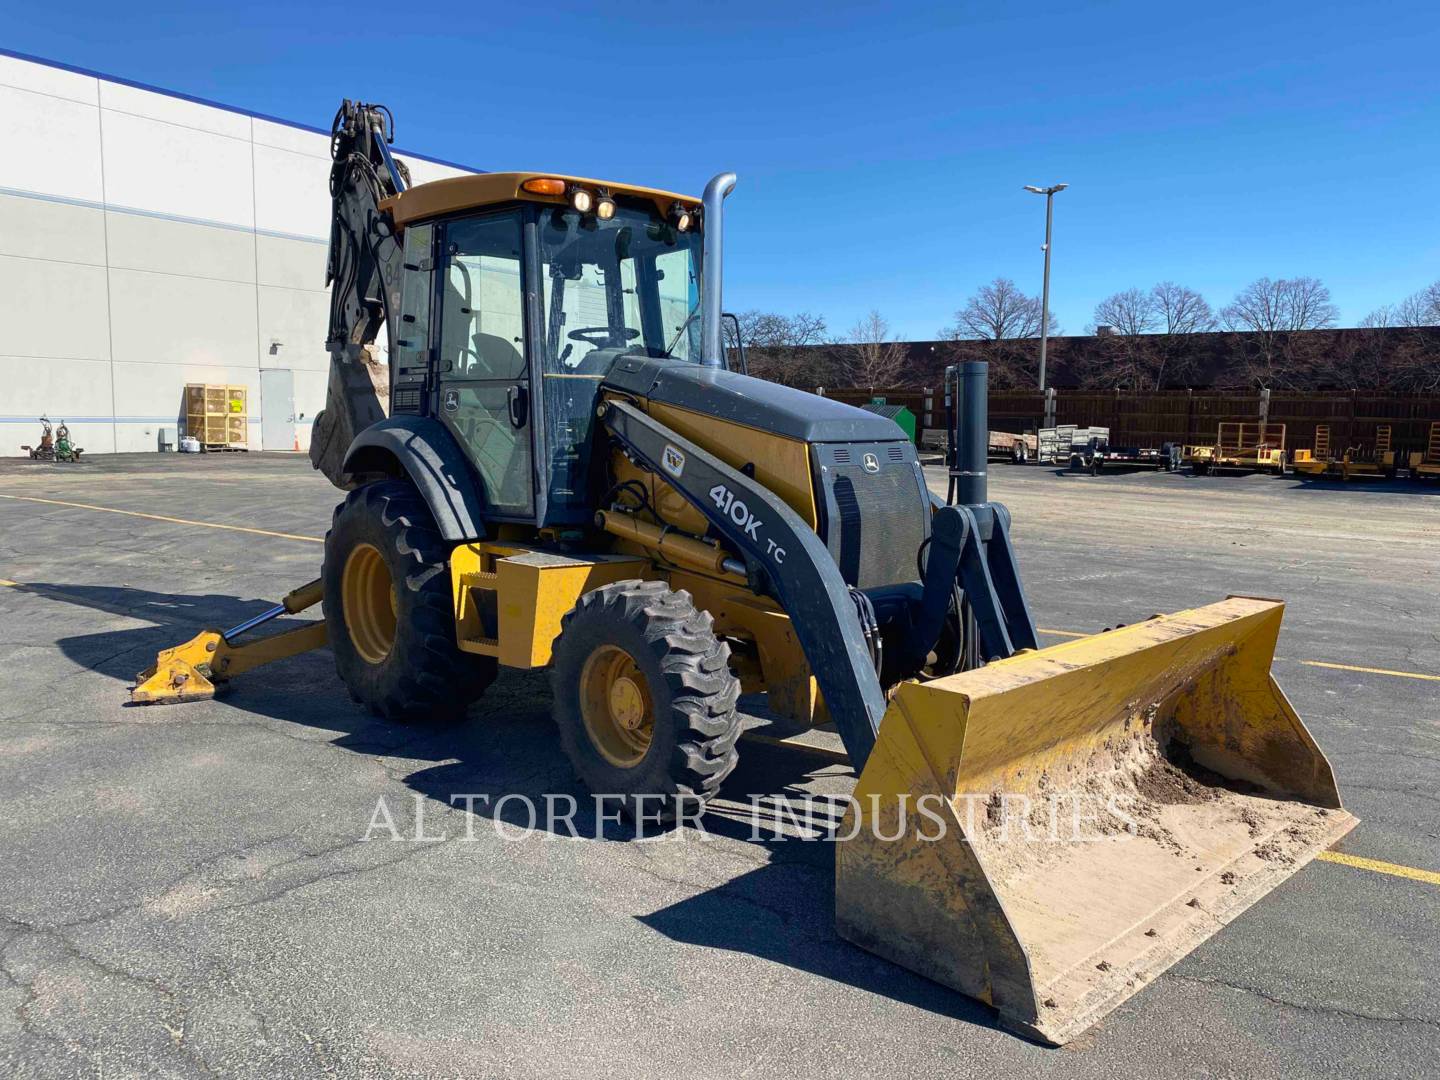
(756, 403)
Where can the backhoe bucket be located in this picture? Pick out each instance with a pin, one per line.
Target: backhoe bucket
(183, 673)
(1095, 811)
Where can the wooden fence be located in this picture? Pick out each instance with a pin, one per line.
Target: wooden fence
(1157, 417)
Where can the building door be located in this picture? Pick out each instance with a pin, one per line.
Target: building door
(277, 409)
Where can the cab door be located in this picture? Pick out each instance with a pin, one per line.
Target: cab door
(482, 368)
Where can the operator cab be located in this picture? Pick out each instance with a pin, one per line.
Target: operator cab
(519, 294)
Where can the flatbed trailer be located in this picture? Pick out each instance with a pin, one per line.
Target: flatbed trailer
(1055, 445)
(1099, 456)
(1425, 464)
(1005, 446)
(1246, 446)
(1198, 456)
(1376, 461)
(1165, 457)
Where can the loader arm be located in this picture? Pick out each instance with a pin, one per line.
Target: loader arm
(363, 275)
(969, 547)
(784, 557)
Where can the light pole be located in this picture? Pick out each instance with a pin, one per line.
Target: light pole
(1049, 193)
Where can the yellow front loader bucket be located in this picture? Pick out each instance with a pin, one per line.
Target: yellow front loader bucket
(1096, 810)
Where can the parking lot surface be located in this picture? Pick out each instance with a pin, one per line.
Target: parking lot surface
(188, 890)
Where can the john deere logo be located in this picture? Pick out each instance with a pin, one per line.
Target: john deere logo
(673, 461)
(871, 463)
(452, 400)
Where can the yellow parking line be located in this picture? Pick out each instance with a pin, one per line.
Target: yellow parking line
(1059, 633)
(1430, 877)
(1372, 670)
(171, 520)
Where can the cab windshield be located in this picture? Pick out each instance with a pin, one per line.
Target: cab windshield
(632, 283)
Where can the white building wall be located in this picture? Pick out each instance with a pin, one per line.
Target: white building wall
(148, 241)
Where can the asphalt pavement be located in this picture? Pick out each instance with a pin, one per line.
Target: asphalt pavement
(189, 890)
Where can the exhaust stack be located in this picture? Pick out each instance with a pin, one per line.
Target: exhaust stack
(712, 338)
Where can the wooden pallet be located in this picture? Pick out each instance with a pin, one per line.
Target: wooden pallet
(223, 448)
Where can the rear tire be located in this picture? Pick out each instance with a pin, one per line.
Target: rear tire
(394, 643)
(645, 699)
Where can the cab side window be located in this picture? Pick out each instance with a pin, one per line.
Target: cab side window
(482, 325)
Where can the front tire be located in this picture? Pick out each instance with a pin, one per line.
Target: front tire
(388, 607)
(644, 698)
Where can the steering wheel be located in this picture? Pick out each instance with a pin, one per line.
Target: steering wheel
(600, 336)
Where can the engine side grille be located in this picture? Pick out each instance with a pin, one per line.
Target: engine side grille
(873, 519)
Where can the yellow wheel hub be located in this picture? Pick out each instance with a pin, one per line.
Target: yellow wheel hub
(615, 705)
(368, 594)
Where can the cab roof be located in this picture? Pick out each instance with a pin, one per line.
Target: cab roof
(440, 197)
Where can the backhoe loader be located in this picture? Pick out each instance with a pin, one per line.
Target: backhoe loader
(558, 470)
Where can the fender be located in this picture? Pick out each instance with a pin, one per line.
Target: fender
(422, 449)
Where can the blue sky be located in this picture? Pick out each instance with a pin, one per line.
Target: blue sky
(881, 151)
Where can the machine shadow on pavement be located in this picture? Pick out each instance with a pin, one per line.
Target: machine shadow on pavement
(781, 911)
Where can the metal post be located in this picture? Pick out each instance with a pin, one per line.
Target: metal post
(1049, 408)
(1049, 193)
(972, 435)
(1045, 289)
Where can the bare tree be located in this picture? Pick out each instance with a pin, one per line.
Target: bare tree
(1418, 309)
(1121, 357)
(1180, 311)
(1281, 306)
(999, 311)
(1364, 357)
(1271, 312)
(1394, 348)
(1001, 317)
(1128, 314)
(782, 348)
(873, 357)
